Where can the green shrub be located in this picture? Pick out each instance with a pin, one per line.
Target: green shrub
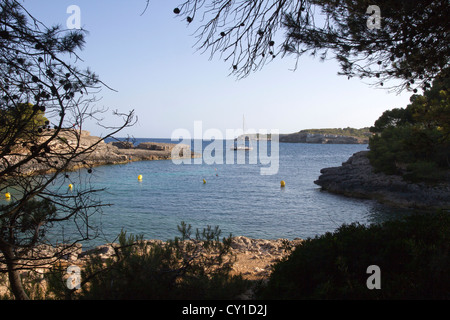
(388, 149)
(423, 171)
(412, 254)
(415, 141)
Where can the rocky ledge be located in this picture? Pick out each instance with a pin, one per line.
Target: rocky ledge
(120, 152)
(254, 257)
(357, 178)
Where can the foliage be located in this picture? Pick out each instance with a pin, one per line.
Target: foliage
(405, 47)
(35, 214)
(37, 77)
(411, 44)
(183, 268)
(415, 141)
(413, 255)
(23, 115)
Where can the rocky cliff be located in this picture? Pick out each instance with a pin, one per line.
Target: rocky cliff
(254, 258)
(357, 178)
(151, 151)
(306, 137)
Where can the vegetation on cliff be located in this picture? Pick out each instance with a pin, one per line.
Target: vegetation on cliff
(188, 267)
(29, 118)
(330, 135)
(404, 46)
(415, 141)
(346, 132)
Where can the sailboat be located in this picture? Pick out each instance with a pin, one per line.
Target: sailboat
(242, 146)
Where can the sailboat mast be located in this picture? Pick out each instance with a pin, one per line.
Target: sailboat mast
(244, 147)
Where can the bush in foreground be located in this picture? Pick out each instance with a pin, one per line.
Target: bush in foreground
(412, 254)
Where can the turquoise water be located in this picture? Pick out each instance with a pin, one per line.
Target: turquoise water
(235, 197)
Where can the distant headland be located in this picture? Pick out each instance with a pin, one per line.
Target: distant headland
(320, 136)
(357, 178)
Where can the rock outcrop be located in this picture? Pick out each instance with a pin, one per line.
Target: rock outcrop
(254, 257)
(305, 137)
(357, 178)
(119, 152)
(93, 151)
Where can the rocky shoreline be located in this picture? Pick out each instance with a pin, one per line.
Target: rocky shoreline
(357, 178)
(120, 152)
(254, 257)
(93, 151)
(307, 137)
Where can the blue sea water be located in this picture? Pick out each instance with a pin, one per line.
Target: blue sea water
(235, 197)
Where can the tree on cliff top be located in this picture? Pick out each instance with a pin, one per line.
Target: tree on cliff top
(410, 44)
(415, 141)
(37, 76)
(24, 113)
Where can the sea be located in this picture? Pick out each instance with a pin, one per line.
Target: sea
(234, 196)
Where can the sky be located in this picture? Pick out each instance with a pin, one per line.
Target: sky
(152, 64)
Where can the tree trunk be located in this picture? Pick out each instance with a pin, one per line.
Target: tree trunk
(16, 285)
(14, 275)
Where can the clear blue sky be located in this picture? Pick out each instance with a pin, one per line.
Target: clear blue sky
(152, 63)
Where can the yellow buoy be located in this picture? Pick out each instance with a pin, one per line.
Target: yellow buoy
(7, 195)
(70, 186)
(204, 181)
(282, 183)
(140, 177)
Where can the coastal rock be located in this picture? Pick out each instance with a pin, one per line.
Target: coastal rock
(254, 257)
(357, 178)
(155, 146)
